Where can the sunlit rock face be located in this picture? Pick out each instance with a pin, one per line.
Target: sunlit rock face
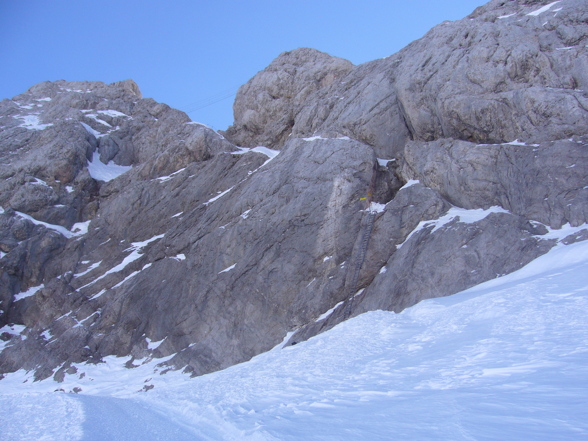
(128, 230)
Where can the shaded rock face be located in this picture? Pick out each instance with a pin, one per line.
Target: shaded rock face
(128, 230)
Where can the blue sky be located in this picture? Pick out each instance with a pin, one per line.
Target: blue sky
(193, 55)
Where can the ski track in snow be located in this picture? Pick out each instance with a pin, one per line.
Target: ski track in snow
(507, 359)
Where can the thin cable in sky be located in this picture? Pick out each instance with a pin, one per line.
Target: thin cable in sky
(212, 99)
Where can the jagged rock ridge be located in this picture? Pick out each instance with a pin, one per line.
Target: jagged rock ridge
(378, 185)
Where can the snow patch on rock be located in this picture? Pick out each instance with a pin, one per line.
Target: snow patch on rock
(105, 172)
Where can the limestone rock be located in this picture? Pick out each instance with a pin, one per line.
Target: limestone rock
(439, 262)
(127, 229)
(278, 242)
(496, 76)
(545, 182)
(265, 107)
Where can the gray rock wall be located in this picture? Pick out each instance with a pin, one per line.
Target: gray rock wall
(265, 107)
(377, 186)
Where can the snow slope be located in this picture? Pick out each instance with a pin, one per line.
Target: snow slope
(507, 359)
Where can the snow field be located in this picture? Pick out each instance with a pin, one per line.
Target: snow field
(41, 417)
(507, 359)
(504, 360)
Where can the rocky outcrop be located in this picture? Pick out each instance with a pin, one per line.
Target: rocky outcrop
(128, 230)
(501, 74)
(266, 106)
(544, 182)
(505, 73)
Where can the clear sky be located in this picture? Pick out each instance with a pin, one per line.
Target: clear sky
(194, 54)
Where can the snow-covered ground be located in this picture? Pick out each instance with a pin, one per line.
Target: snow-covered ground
(506, 360)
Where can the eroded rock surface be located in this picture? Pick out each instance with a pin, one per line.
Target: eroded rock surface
(266, 106)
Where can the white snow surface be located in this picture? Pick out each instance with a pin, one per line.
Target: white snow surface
(317, 137)
(229, 268)
(218, 196)
(12, 330)
(384, 162)
(410, 183)
(565, 231)
(153, 344)
(98, 120)
(105, 172)
(113, 113)
(466, 216)
(543, 9)
(376, 207)
(90, 268)
(40, 182)
(167, 178)
(77, 229)
(91, 131)
(136, 249)
(329, 312)
(80, 228)
(28, 293)
(505, 360)
(271, 154)
(32, 122)
(130, 276)
(463, 215)
(516, 142)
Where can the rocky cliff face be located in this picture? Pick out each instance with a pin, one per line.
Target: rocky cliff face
(128, 230)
